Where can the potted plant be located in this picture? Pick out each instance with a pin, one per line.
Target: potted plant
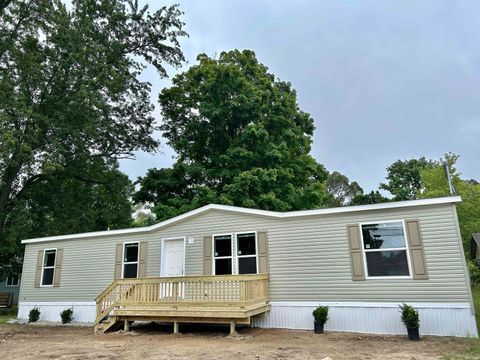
(411, 321)
(320, 314)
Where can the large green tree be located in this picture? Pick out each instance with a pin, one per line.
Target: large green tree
(71, 102)
(404, 179)
(435, 184)
(341, 190)
(240, 137)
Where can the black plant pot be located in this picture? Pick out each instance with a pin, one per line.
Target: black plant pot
(318, 327)
(413, 334)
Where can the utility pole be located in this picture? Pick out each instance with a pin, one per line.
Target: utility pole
(449, 177)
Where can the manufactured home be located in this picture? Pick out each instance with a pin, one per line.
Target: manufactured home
(225, 264)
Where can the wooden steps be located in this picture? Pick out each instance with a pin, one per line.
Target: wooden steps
(227, 299)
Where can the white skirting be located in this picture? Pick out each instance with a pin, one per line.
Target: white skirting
(50, 311)
(379, 318)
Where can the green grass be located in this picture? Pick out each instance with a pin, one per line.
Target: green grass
(7, 314)
(476, 302)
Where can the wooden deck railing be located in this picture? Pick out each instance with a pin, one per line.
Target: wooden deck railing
(222, 290)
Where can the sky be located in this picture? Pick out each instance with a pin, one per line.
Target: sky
(383, 80)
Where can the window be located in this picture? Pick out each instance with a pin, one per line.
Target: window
(222, 254)
(13, 280)
(130, 260)
(48, 268)
(247, 253)
(385, 249)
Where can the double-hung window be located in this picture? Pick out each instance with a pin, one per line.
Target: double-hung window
(13, 280)
(385, 248)
(130, 260)
(48, 266)
(222, 254)
(247, 253)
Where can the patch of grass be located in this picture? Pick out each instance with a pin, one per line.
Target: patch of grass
(476, 302)
(7, 314)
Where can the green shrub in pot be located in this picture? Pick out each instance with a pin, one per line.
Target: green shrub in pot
(320, 315)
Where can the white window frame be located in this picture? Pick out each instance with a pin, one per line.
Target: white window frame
(232, 239)
(162, 256)
(18, 279)
(130, 262)
(406, 249)
(48, 267)
(246, 256)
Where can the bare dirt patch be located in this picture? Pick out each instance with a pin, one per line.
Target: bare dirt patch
(152, 341)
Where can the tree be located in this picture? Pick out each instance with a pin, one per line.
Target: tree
(404, 179)
(240, 137)
(71, 101)
(373, 197)
(65, 205)
(435, 184)
(341, 190)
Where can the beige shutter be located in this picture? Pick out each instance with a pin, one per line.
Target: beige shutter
(207, 255)
(38, 274)
(356, 252)
(118, 262)
(58, 268)
(142, 263)
(262, 244)
(417, 255)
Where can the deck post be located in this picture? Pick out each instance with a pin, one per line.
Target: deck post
(232, 327)
(175, 327)
(126, 325)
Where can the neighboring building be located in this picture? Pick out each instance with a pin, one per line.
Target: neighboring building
(362, 261)
(475, 246)
(10, 285)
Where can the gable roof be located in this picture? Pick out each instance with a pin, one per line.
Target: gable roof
(240, 210)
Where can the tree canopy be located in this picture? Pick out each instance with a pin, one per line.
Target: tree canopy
(71, 102)
(404, 178)
(435, 184)
(241, 139)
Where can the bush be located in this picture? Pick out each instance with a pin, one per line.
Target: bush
(67, 316)
(34, 315)
(409, 316)
(320, 314)
(474, 270)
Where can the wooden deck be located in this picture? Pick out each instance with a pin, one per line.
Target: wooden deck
(228, 299)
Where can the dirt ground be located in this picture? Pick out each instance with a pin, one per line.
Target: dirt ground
(152, 341)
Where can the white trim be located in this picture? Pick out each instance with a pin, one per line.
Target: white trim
(232, 239)
(246, 256)
(274, 214)
(130, 262)
(48, 267)
(406, 249)
(162, 256)
(372, 304)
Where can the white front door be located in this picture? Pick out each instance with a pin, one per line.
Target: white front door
(173, 257)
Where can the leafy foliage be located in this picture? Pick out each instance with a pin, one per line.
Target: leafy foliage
(320, 314)
(410, 316)
(71, 102)
(341, 190)
(404, 180)
(34, 315)
(373, 197)
(474, 270)
(435, 184)
(67, 316)
(240, 137)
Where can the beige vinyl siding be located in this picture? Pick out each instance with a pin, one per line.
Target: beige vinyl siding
(309, 257)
